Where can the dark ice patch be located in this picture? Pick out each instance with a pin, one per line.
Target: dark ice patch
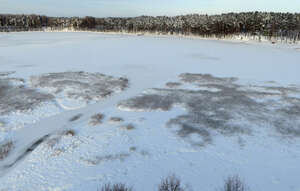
(14, 96)
(233, 110)
(80, 85)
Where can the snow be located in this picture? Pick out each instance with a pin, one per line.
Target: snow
(110, 152)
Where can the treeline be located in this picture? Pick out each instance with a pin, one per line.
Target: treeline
(267, 24)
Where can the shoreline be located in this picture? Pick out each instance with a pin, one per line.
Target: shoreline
(241, 38)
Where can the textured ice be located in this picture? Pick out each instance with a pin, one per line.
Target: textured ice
(14, 96)
(234, 109)
(80, 85)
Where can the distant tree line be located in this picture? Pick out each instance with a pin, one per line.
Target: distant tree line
(267, 24)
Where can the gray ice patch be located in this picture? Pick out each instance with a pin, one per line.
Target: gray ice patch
(80, 85)
(233, 110)
(14, 96)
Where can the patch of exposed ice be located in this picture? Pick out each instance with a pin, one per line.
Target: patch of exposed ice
(80, 85)
(14, 96)
(210, 112)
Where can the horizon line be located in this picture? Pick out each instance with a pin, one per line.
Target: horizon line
(165, 15)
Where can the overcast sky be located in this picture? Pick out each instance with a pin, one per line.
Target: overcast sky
(124, 8)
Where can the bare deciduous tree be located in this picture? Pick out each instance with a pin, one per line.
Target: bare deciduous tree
(234, 183)
(171, 183)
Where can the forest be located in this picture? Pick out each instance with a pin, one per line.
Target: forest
(261, 24)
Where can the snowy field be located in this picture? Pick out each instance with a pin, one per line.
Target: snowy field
(79, 110)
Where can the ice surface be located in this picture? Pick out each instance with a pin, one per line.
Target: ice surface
(259, 81)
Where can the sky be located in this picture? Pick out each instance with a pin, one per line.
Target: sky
(129, 8)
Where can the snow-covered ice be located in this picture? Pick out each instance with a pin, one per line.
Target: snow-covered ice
(202, 109)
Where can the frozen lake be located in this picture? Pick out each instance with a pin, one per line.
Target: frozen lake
(78, 110)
